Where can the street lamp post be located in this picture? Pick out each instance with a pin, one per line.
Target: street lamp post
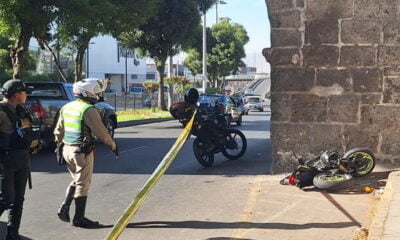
(204, 53)
(216, 8)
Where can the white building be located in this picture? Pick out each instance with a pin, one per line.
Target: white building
(107, 59)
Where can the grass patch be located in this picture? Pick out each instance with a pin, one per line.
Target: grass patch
(139, 114)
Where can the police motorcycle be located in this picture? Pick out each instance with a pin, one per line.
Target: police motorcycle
(330, 169)
(210, 127)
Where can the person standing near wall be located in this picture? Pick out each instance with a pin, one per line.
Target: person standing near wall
(75, 128)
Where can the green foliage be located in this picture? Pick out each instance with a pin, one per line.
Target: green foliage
(44, 77)
(224, 53)
(20, 20)
(213, 90)
(205, 5)
(163, 34)
(151, 86)
(193, 62)
(78, 21)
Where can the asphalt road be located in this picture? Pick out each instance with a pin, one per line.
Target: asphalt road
(189, 202)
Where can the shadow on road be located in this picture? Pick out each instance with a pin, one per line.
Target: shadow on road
(235, 225)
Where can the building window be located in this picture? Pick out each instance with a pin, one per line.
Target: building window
(150, 76)
(134, 76)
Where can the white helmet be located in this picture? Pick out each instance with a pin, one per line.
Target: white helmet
(90, 88)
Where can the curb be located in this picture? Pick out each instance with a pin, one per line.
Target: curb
(142, 121)
(384, 225)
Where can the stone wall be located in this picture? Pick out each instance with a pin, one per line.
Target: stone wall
(335, 77)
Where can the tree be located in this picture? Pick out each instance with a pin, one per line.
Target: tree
(224, 52)
(228, 51)
(21, 20)
(78, 21)
(193, 62)
(163, 34)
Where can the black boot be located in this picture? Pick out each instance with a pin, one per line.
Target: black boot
(63, 211)
(79, 218)
(12, 233)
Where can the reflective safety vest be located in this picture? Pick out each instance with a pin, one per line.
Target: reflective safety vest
(72, 114)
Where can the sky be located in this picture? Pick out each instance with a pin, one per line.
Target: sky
(252, 14)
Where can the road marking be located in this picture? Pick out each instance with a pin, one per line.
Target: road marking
(242, 227)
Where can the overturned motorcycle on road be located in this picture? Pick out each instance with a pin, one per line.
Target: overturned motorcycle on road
(211, 129)
(330, 169)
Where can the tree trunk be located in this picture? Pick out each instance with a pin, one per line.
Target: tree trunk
(20, 50)
(78, 64)
(160, 71)
(56, 60)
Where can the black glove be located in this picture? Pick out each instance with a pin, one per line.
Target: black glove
(116, 151)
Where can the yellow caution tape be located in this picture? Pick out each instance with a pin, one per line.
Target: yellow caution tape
(140, 197)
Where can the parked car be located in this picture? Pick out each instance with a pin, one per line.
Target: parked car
(230, 108)
(239, 101)
(45, 103)
(254, 103)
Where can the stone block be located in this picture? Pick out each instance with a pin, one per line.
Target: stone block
(343, 108)
(357, 56)
(286, 37)
(361, 31)
(283, 56)
(392, 83)
(367, 79)
(356, 136)
(391, 32)
(389, 96)
(330, 77)
(329, 9)
(276, 5)
(390, 142)
(280, 107)
(285, 19)
(320, 55)
(300, 3)
(289, 137)
(372, 98)
(308, 108)
(380, 117)
(325, 137)
(392, 71)
(389, 55)
(292, 79)
(322, 31)
(375, 9)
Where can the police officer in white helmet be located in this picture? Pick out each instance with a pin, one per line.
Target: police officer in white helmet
(79, 121)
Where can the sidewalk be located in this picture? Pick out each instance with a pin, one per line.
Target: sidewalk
(277, 212)
(386, 221)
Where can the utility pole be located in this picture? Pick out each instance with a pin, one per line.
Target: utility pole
(204, 53)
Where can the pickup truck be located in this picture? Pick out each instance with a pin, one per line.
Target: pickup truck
(45, 103)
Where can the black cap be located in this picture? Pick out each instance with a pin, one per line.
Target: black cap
(13, 86)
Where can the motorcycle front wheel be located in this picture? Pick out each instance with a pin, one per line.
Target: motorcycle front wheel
(235, 144)
(203, 157)
(327, 180)
(363, 160)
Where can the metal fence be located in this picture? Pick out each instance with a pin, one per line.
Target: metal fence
(122, 101)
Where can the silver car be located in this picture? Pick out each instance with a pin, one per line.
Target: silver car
(254, 103)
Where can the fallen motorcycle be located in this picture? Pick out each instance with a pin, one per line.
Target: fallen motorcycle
(210, 127)
(330, 169)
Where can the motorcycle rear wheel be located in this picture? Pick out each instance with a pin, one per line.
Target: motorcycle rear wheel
(327, 180)
(204, 158)
(236, 144)
(363, 159)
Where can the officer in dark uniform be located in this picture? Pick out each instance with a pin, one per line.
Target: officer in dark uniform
(17, 139)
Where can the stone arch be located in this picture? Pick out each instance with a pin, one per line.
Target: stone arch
(335, 77)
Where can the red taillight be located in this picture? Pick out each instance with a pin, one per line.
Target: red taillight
(37, 111)
(292, 180)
